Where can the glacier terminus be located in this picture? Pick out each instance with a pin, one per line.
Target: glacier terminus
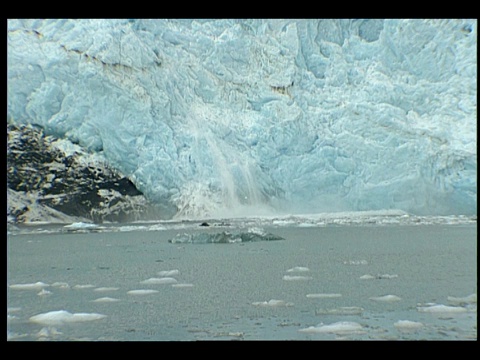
(230, 117)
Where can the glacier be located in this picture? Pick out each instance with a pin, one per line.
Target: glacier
(230, 117)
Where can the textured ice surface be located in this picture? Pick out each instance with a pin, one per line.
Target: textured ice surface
(230, 117)
(224, 237)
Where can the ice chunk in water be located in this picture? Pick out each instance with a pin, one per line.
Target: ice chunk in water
(407, 325)
(386, 298)
(323, 296)
(342, 327)
(142, 292)
(298, 269)
(272, 303)
(163, 280)
(105, 300)
(32, 286)
(441, 309)
(62, 316)
(168, 272)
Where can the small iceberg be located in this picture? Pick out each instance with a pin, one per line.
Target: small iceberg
(356, 262)
(298, 269)
(340, 328)
(470, 299)
(386, 298)
(61, 285)
(44, 292)
(163, 280)
(85, 286)
(32, 286)
(105, 300)
(142, 292)
(441, 309)
(323, 296)
(168, 272)
(61, 317)
(272, 303)
(224, 237)
(80, 225)
(105, 289)
(407, 325)
(378, 276)
(182, 285)
(345, 310)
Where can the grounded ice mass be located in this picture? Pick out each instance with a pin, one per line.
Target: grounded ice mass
(217, 117)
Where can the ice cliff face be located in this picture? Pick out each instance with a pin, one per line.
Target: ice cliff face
(225, 117)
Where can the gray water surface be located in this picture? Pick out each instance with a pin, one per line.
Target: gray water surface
(248, 291)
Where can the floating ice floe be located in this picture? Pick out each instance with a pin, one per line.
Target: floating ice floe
(367, 277)
(470, 299)
(340, 328)
(356, 262)
(61, 317)
(86, 286)
(378, 276)
(163, 280)
(142, 292)
(441, 309)
(32, 286)
(168, 272)
(61, 285)
(298, 269)
(386, 298)
(407, 325)
(105, 289)
(296, 278)
(182, 285)
(224, 237)
(344, 310)
(80, 225)
(272, 303)
(105, 300)
(48, 331)
(323, 296)
(44, 292)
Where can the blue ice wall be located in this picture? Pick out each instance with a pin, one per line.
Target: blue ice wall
(224, 117)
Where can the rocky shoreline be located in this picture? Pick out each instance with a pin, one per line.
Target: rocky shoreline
(54, 180)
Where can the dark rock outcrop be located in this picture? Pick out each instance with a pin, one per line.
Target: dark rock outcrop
(41, 174)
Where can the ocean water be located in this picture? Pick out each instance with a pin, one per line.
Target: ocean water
(349, 282)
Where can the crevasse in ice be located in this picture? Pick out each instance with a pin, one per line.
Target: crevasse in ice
(209, 117)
